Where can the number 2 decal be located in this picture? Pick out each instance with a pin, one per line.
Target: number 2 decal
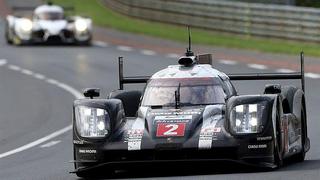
(174, 129)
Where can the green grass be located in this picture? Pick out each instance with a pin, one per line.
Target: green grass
(105, 17)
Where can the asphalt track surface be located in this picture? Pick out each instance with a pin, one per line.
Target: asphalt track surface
(39, 83)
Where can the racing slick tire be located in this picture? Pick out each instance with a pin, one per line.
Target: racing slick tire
(301, 155)
(277, 152)
(130, 100)
(288, 92)
(9, 41)
(16, 41)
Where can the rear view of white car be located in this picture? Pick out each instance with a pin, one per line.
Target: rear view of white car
(48, 24)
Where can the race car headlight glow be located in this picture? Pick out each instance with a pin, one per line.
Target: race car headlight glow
(92, 122)
(246, 119)
(81, 25)
(26, 25)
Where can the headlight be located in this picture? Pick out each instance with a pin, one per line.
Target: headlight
(26, 25)
(81, 25)
(246, 118)
(92, 122)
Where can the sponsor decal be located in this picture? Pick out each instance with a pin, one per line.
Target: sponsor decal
(134, 139)
(175, 113)
(267, 138)
(87, 151)
(77, 142)
(209, 132)
(257, 146)
(207, 135)
(174, 129)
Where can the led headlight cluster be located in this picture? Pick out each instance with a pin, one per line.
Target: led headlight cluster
(81, 25)
(92, 122)
(246, 118)
(26, 25)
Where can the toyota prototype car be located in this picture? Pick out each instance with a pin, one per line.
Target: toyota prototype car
(191, 112)
(48, 24)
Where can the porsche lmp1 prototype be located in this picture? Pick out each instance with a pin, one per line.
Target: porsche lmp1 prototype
(191, 112)
(48, 25)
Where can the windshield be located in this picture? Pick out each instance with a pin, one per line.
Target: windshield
(193, 91)
(50, 15)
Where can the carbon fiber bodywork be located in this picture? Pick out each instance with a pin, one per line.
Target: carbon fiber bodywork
(195, 133)
(128, 144)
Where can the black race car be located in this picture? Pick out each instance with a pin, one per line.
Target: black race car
(191, 112)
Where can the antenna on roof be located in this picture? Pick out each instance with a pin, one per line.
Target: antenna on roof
(50, 3)
(189, 51)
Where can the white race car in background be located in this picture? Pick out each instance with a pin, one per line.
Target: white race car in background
(48, 24)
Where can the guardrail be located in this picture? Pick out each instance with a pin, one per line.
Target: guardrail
(286, 22)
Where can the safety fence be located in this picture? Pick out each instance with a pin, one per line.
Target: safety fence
(276, 21)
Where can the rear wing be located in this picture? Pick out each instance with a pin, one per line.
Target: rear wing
(234, 77)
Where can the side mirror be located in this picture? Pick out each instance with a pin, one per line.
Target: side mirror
(91, 92)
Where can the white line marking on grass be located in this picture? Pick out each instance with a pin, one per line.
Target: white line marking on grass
(49, 144)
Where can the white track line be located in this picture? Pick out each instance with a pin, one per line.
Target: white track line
(15, 68)
(49, 144)
(26, 72)
(227, 62)
(148, 52)
(71, 90)
(285, 71)
(312, 75)
(37, 142)
(39, 76)
(3, 62)
(52, 81)
(124, 48)
(100, 44)
(172, 55)
(257, 66)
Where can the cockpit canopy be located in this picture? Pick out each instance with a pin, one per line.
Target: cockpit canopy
(192, 92)
(49, 12)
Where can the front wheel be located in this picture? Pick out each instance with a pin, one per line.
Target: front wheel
(277, 151)
(301, 155)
